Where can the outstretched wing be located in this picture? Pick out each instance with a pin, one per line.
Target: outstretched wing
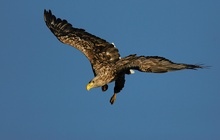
(153, 64)
(97, 50)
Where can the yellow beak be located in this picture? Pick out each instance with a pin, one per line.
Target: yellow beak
(89, 86)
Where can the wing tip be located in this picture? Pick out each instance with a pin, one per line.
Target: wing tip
(56, 25)
(48, 17)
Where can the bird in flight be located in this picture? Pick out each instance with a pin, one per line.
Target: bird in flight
(107, 65)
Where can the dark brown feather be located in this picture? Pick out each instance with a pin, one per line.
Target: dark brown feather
(153, 64)
(97, 50)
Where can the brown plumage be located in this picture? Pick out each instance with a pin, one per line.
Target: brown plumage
(104, 57)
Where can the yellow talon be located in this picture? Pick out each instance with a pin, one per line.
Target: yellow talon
(113, 98)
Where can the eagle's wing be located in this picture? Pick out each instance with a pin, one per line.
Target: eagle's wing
(97, 50)
(153, 64)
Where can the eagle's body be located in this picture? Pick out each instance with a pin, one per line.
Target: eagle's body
(104, 57)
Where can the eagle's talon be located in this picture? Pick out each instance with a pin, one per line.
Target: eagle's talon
(113, 98)
(104, 88)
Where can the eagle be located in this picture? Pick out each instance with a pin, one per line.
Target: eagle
(107, 65)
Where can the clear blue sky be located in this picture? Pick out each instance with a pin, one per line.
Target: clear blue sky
(42, 81)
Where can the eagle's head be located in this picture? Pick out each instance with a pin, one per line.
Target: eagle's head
(96, 82)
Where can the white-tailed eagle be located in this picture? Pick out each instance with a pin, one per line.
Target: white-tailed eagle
(107, 65)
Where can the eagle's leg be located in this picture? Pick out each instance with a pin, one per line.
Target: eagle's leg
(104, 88)
(113, 98)
(119, 84)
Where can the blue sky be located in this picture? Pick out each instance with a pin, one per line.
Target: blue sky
(42, 81)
